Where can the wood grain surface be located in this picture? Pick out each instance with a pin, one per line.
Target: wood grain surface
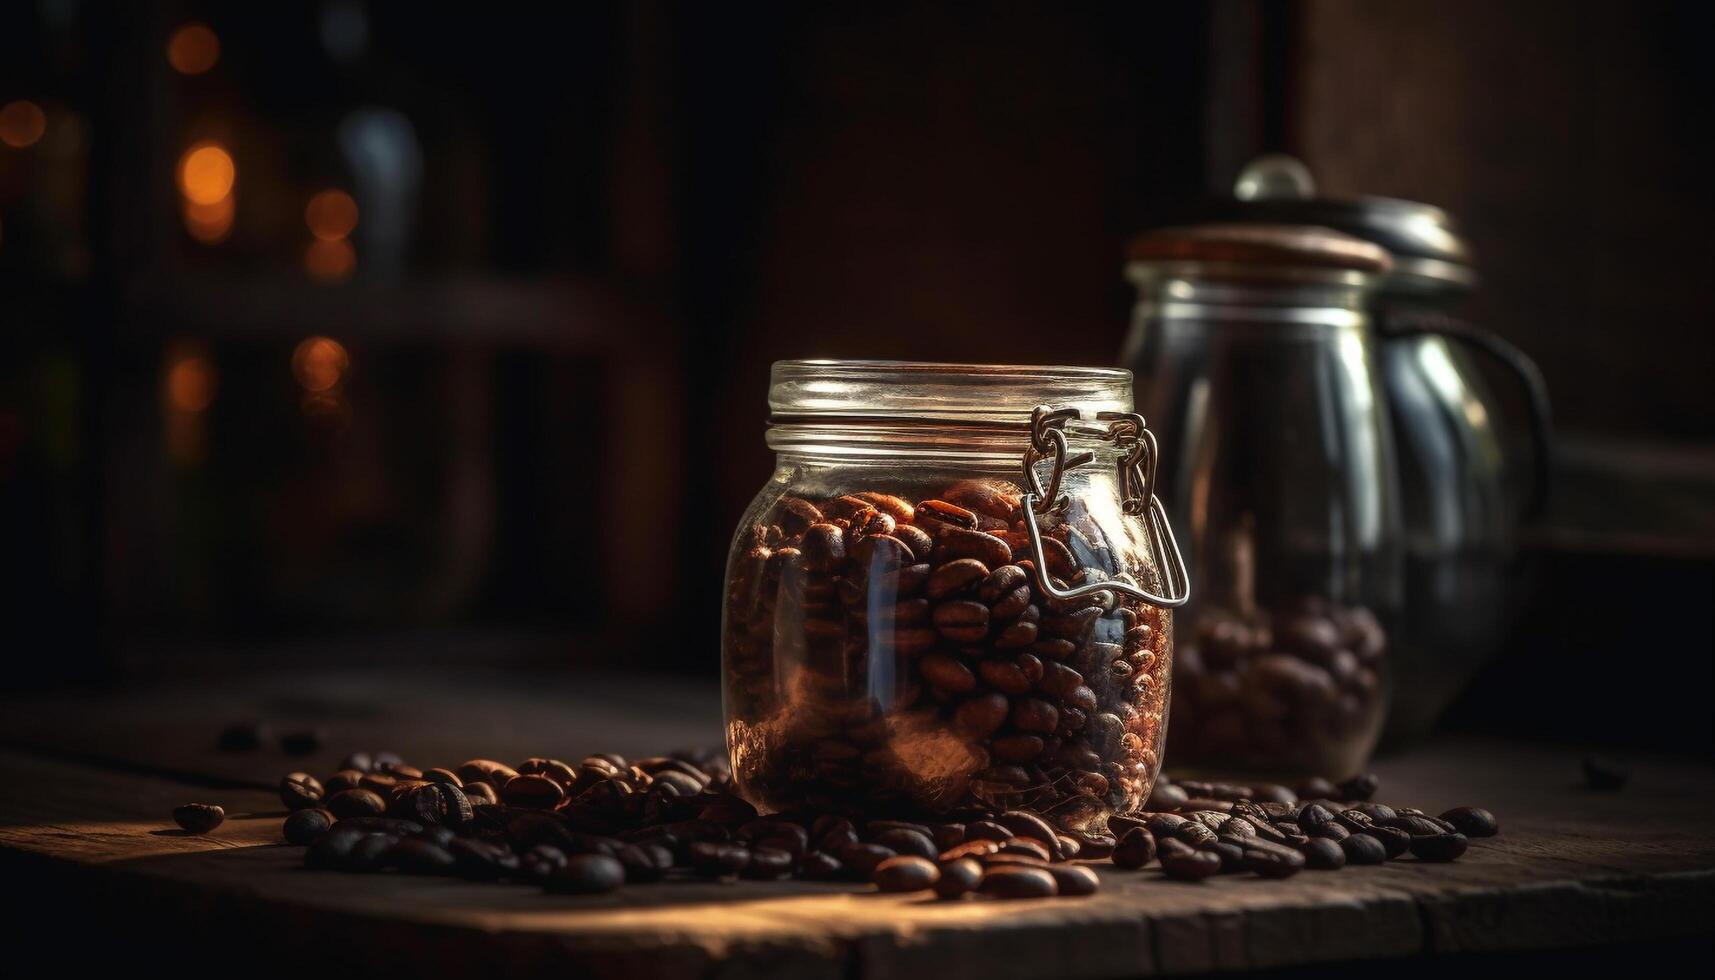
(1571, 867)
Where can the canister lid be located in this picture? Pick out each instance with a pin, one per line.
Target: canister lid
(1428, 250)
(1260, 246)
(835, 390)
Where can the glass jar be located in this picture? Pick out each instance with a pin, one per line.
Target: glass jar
(1254, 354)
(952, 596)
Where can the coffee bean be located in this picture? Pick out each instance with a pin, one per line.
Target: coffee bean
(1394, 840)
(907, 842)
(962, 621)
(1008, 882)
(955, 576)
(420, 857)
(304, 826)
(958, 877)
(1323, 854)
(1363, 849)
(714, 859)
(587, 874)
(970, 848)
(907, 873)
(1232, 855)
(356, 803)
(1439, 847)
(767, 864)
(1181, 862)
(1472, 821)
(488, 771)
(860, 860)
(1360, 787)
(1004, 676)
(360, 762)
(821, 866)
(437, 835)
(554, 769)
(1025, 845)
(1414, 825)
(445, 777)
(1075, 879)
(300, 790)
(478, 860)
(1035, 715)
(480, 794)
(1165, 796)
(947, 674)
(1136, 848)
(372, 852)
(1273, 861)
(982, 714)
(330, 850)
(341, 781)
(535, 791)
(199, 818)
(1604, 774)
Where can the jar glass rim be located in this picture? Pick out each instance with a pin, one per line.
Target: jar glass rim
(829, 389)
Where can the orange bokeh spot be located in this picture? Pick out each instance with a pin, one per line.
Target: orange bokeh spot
(330, 261)
(22, 123)
(331, 215)
(191, 383)
(210, 223)
(319, 363)
(206, 173)
(193, 49)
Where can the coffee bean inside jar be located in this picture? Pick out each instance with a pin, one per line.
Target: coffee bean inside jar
(950, 599)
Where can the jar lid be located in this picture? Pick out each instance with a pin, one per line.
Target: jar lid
(833, 390)
(1259, 247)
(1428, 250)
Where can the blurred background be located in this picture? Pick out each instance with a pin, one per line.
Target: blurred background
(374, 333)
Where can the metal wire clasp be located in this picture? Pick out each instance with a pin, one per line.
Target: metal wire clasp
(1128, 432)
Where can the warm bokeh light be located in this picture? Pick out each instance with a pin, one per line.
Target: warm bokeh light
(331, 215)
(22, 123)
(330, 261)
(193, 49)
(206, 173)
(191, 383)
(210, 223)
(319, 363)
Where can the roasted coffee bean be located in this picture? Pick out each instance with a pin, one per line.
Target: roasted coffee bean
(1313, 816)
(1166, 796)
(860, 860)
(341, 781)
(480, 794)
(330, 850)
(356, 803)
(1075, 879)
(1361, 787)
(998, 858)
(488, 771)
(540, 792)
(907, 842)
(1093, 847)
(381, 825)
(947, 674)
(714, 859)
(304, 826)
(445, 777)
(645, 862)
(1363, 849)
(1136, 848)
(437, 835)
(300, 790)
(955, 576)
(1439, 847)
(554, 769)
(1195, 834)
(1472, 821)
(970, 848)
(360, 762)
(1273, 861)
(1355, 821)
(1027, 846)
(199, 818)
(982, 714)
(372, 852)
(907, 873)
(1394, 840)
(961, 620)
(1030, 825)
(587, 874)
(1181, 862)
(767, 864)
(958, 877)
(821, 866)
(1333, 831)
(420, 857)
(1375, 811)
(1604, 774)
(1323, 854)
(1013, 881)
(243, 736)
(479, 860)
(1414, 825)
(1231, 853)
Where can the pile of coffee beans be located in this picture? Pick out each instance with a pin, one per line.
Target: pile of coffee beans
(1296, 689)
(898, 657)
(605, 822)
(1199, 829)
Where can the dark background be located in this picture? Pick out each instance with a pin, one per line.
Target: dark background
(551, 405)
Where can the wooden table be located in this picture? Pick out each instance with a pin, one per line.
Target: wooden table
(85, 829)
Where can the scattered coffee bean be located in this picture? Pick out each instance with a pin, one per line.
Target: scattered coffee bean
(1012, 881)
(356, 803)
(1439, 847)
(767, 864)
(959, 876)
(1273, 861)
(300, 790)
(587, 874)
(420, 857)
(304, 826)
(1075, 879)
(1181, 862)
(1135, 849)
(1472, 821)
(907, 873)
(1323, 854)
(1363, 849)
(199, 818)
